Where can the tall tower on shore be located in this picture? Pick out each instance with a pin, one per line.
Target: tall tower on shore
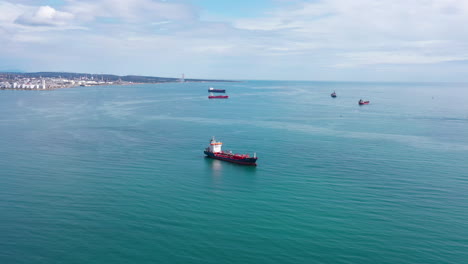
(183, 78)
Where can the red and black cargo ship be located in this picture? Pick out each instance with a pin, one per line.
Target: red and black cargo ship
(214, 151)
(218, 97)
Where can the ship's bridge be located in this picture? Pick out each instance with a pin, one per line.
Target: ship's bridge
(215, 146)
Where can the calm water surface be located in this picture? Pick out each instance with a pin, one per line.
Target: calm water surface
(116, 174)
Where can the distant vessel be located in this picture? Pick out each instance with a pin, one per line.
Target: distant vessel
(213, 90)
(361, 102)
(218, 97)
(214, 151)
(333, 94)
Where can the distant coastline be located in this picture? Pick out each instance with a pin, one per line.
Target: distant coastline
(57, 80)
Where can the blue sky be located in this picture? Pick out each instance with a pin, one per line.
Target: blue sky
(341, 40)
(233, 9)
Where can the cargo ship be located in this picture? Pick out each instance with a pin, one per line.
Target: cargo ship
(214, 151)
(218, 97)
(213, 90)
(361, 102)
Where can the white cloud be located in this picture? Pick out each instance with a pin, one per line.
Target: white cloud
(9, 12)
(372, 58)
(369, 31)
(160, 23)
(45, 16)
(289, 41)
(132, 11)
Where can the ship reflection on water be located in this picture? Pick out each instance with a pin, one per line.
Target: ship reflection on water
(223, 174)
(219, 164)
(219, 167)
(216, 166)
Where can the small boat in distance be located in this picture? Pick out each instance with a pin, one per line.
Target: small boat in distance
(333, 94)
(361, 102)
(218, 97)
(213, 90)
(214, 151)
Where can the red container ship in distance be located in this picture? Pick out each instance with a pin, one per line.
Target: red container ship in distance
(218, 97)
(361, 102)
(214, 151)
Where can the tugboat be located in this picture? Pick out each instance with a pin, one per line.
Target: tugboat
(218, 97)
(361, 102)
(213, 90)
(214, 151)
(333, 94)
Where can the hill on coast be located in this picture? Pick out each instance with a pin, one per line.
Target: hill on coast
(107, 77)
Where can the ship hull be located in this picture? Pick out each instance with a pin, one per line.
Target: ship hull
(216, 91)
(218, 97)
(246, 161)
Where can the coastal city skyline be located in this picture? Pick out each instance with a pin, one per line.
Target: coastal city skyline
(336, 40)
(55, 80)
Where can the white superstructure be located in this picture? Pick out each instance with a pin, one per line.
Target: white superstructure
(215, 146)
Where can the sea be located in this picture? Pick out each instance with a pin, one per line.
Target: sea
(116, 174)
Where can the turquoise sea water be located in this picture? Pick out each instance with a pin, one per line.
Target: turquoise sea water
(116, 174)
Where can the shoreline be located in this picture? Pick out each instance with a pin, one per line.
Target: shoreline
(106, 84)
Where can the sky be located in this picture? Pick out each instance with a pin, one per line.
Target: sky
(335, 40)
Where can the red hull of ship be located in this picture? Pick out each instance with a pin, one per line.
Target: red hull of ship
(234, 158)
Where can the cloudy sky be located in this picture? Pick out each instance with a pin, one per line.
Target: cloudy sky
(356, 40)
